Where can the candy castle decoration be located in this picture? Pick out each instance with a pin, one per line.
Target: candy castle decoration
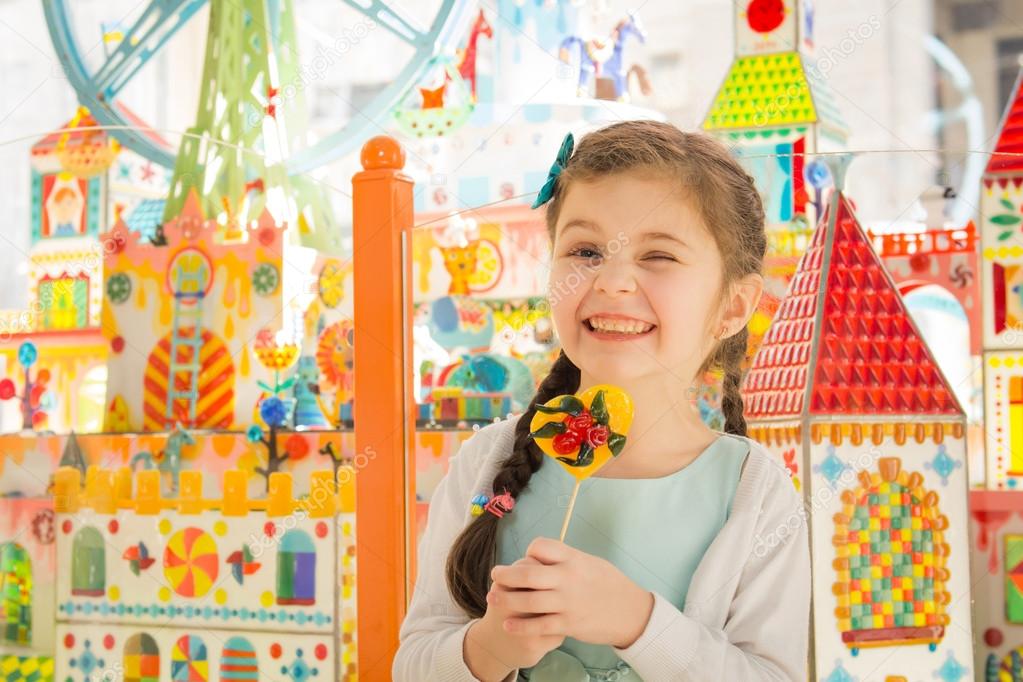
(188, 308)
(225, 589)
(997, 511)
(997, 563)
(847, 395)
(774, 109)
(80, 181)
(27, 526)
(1001, 229)
(181, 319)
(773, 106)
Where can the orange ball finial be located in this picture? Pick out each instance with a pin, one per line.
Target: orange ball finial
(381, 152)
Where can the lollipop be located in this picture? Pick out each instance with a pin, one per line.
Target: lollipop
(190, 562)
(583, 432)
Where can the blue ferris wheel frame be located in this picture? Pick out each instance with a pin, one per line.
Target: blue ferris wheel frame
(161, 19)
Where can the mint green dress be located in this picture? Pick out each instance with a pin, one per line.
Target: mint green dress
(655, 530)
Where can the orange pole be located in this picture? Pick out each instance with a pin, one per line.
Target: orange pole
(383, 414)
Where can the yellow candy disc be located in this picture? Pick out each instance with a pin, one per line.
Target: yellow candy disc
(583, 432)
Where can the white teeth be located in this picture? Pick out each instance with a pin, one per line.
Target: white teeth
(619, 326)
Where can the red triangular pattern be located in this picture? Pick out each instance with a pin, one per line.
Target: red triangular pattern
(1017, 570)
(870, 359)
(50, 141)
(1010, 137)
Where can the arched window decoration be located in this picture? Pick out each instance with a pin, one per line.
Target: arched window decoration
(15, 594)
(296, 569)
(890, 561)
(239, 661)
(88, 564)
(141, 659)
(189, 661)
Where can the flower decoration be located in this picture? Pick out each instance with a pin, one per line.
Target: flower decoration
(1007, 220)
(273, 412)
(265, 279)
(583, 432)
(277, 358)
(35, 400)
(118, 288)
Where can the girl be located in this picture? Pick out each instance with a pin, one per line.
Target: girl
(687, 555)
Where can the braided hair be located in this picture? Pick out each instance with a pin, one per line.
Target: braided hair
(467, 579)
(725, 195)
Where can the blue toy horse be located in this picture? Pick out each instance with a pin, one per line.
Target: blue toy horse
(169, 459)
(603, 58)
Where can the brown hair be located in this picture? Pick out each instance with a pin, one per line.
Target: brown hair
(732, 210)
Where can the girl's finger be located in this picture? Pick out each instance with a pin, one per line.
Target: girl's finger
(526, 576)
(527, 561)
(497, 590)
(528, 601)
(548, 625)
(549, 551)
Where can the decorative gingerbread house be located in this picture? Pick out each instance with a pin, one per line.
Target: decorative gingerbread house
(848, 397)
(997, 510)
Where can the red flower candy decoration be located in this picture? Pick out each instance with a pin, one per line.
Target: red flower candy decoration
(583, 432)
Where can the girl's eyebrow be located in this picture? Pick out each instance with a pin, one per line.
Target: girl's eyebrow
(652, 236)
(581, 224)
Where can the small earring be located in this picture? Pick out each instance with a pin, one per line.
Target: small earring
(721, 332)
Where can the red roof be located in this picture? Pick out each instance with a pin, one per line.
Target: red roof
(49, 142)
(869, 358)
(1010, 135)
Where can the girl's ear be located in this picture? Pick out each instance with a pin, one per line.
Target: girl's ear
(744, 297)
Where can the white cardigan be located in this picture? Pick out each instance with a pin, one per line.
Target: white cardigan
(746, 614)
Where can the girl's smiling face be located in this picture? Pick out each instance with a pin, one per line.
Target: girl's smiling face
(636, 280)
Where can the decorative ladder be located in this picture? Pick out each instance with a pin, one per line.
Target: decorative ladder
(188, 296)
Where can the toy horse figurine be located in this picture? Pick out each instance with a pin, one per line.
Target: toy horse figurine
(169, 459)
(467, 61)
(603, 58)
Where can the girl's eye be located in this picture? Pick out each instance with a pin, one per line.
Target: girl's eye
(584, 252)
(660, 256)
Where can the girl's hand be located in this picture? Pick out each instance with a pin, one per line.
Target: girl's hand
(491, 651)
(560, 591)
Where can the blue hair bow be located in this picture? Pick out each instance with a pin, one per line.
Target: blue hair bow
(547, 191)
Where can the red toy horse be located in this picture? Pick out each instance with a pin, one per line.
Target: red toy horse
(467, 65)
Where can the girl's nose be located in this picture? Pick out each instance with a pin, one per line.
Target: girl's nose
(614, 276)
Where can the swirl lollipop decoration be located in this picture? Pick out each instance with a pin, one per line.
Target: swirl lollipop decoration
(583, 432)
